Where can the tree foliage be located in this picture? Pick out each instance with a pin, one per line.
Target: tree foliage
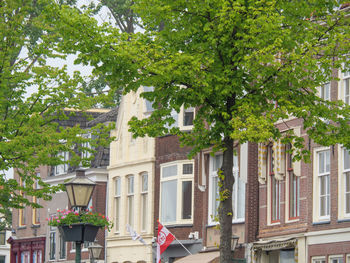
(243, 64)
(33, 95)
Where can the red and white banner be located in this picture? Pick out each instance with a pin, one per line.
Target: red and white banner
(164, 239)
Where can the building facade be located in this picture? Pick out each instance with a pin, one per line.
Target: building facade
(304, 207)
(131, 187)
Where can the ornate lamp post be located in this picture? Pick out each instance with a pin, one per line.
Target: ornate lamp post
(79, 190)
(95, 251)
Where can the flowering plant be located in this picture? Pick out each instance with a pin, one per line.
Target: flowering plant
(69, 217)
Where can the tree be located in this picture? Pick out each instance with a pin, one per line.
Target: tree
(243, 64)
(33, 96)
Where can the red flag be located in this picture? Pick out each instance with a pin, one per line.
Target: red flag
(164, 239)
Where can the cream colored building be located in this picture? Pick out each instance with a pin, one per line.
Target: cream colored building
(130, 186)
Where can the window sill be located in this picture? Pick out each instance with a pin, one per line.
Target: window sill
(292, 220)
(321, 223)
(35, 226)
(21, 227)
(174, 225)
(343, 220)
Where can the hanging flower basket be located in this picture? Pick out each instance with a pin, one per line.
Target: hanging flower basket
(79, 232)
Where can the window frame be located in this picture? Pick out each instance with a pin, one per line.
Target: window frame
(274, 188)
(65, 165)
(130, 199)
(293, 186)
(144, 201)
(179, 178)
(63, 248)
(117, 199)
(213, 190)
(336, 257)
(317, 217)
(52, 243)
(3, 238)
(318, 259)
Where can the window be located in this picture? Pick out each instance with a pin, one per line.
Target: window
(293, 184)
(25, 257)
(52, 249)
(324, 187)
(275, 187)
(2, 238)
(325, 91)
(346, 85)
(63, 248)
(336, 259)
(319, 260)
(2, 259)
(37, 256)
(176, 192)
(144, 201)
(36, 211)
(117, 193)
(238, 191)
(149, 107)
(321, 187)
(130, 200)
(22, 211)
(62, 168)
(214, 198)
(85, 153)
(346, 174)
(188, 117)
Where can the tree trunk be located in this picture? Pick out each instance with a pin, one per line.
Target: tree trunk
(226, 181)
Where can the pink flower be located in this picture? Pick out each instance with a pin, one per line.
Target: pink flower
(58, 221)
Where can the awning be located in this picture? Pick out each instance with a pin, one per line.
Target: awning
(275, 244)
(202, 257)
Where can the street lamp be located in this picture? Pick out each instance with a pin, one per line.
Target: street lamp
(79, 191)
(234, 242)
(95, 250)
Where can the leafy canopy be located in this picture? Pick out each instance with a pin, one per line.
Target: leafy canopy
(34, 91)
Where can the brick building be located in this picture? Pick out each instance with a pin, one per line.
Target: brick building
(304, 208)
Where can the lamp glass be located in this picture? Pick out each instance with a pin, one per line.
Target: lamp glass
(95, 250)
(79, 191)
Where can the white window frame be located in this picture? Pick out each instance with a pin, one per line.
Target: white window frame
(325, 91)
(144, 188)
(346, 84)
(213, 177)
(317, 217)
(117, 203)
(180, 178)
(130, 199)
(84, 153)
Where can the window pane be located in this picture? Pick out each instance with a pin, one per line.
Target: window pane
(346, 159)
(144, 211)
(62, 248)
(169, 171)
(187, 168)
(168, 201)
(144, 182)
(3, 238)
(117, 213)
(52, 245)
(287, 256)
(187, 200)
(117, 186)
(217, 162)
(131, 210)
(241, 199)
(215, 197)
(347, 90)
(130, 184)
(188, 117)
